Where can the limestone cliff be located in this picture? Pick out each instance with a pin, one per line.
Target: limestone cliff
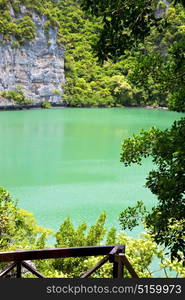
(37, 66)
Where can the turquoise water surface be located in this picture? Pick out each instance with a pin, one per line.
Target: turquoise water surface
(66, 162)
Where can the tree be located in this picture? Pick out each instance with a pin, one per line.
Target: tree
(7, 217)
(125, 24)
(160, 62)
(155, 44)
(18, 228)
(166, 221)
(140, 252)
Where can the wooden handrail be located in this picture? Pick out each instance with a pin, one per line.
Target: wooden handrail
(114, 254)
(20, 255)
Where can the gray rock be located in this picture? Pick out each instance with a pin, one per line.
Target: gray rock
(45, 92)
(37, 66)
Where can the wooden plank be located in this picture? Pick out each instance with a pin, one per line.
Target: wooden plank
(21, 255)
(96, 267)
(32, 270)
(127, 264)
(8, 269)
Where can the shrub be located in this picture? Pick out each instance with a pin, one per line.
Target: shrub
(46, 104)
(16, 96)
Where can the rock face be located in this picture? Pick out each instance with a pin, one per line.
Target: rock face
(37, 66)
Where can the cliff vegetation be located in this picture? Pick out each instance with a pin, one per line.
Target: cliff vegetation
(136, 78)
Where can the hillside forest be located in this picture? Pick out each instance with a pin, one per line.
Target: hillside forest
(142, 76)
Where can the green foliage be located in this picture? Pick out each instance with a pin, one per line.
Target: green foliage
(7, 213)
(132, 216)
(141, 251)
(176, 100)
(46, 104)
(21, 29)
(139, 146)
(68, 236)
(25, 29)
(16, 96)
(140, 77)
(166, 221)
(159, 68)
(160, 71)
(87, 83)
(124, 24)
(18, 228)
(155, 43)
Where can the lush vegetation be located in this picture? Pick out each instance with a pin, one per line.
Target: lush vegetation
(21, 29)
(161, 67)
(18, 230)
(166, 221)
(45, 104)
(154, 45)
(16, 96)
(88, 83)
(115, 82)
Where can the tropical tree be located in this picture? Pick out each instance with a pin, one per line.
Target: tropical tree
(18, 228)
(125, 25)
(166, 221)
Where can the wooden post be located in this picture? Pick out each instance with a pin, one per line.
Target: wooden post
(18, 273)
(125, 262)
(118, 267)
(117, 263)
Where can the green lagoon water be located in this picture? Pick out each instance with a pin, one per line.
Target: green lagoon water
(66, 162)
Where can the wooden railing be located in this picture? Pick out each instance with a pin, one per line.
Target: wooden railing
(113, 254)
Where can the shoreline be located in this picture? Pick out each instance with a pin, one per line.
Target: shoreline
(38, 106)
